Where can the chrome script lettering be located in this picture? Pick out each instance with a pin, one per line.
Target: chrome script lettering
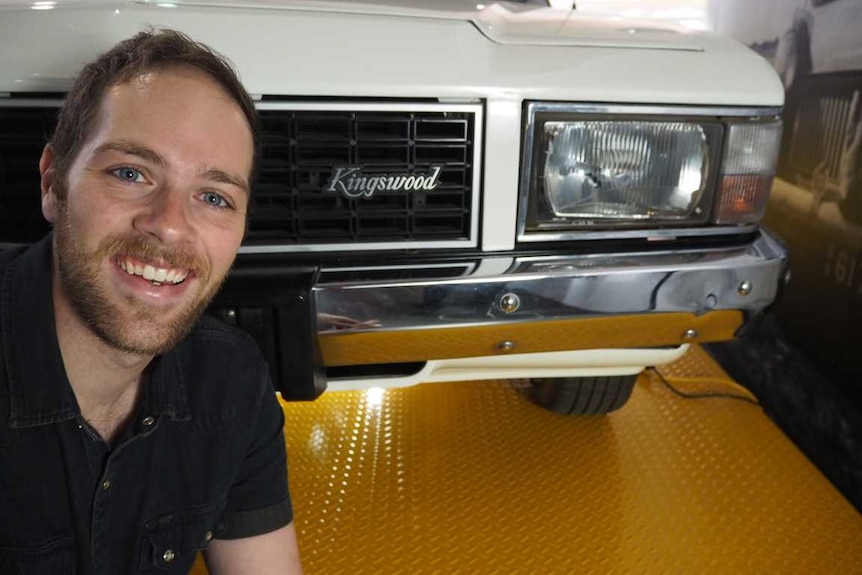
(351, 182)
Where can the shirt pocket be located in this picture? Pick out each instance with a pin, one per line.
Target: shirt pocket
(172, 540)
(55, 557)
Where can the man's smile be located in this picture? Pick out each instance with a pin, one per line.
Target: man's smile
(156, 274)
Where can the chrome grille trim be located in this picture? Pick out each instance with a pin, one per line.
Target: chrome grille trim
(476, 137)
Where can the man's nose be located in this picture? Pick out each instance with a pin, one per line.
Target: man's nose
(166, 217)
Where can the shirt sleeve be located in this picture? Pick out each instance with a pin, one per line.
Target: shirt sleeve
(259, 501)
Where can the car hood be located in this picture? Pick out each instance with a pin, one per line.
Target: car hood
(531, 23)
(449, 51)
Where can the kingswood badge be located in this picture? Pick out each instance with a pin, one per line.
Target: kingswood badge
(352, 182)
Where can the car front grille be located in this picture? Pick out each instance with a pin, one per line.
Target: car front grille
(23, 133)
(303, 143)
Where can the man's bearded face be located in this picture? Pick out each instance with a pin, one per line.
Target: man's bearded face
(149, 216)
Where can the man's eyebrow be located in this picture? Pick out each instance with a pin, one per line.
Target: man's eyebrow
(132, 149)
(150, 155)
(222, 177)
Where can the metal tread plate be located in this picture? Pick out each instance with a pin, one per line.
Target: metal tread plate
(473, 478)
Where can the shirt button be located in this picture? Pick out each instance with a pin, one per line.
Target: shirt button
(168, 556)
(148, 421)
(106, 485)
(209, 536)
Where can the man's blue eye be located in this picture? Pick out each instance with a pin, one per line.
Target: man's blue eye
(215, 200)
(129, 174)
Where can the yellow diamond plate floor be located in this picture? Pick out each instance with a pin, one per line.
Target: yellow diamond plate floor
(473, 478)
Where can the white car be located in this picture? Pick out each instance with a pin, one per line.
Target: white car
(454, 190)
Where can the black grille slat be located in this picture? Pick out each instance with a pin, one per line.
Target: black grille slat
(440, 224)
(23, 134)
(336, 226)
(300, 149)
(323, 153)
(392, 156)
(446, 153)
(436, 130)
(383, 129)
(318, 127)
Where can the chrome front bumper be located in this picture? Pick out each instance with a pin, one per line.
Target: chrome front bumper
(538, 289)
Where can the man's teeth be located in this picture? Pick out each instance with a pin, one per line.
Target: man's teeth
(154, 274)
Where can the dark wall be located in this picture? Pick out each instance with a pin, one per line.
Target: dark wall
(816, 203)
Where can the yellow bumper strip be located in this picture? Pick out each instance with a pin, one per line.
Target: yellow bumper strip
(647, 330)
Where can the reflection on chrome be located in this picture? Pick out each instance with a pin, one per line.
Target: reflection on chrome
(563, 287)
(332, 322)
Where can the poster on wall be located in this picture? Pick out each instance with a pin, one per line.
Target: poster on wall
(816, 203)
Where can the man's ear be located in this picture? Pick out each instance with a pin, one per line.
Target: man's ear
(48, 183)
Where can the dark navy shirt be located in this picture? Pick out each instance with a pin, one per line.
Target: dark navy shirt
(203, 458)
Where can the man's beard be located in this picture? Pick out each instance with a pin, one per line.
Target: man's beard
(130, 325)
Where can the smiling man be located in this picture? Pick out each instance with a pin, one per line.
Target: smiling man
(138, 431)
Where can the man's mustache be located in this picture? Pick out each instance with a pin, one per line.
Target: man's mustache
(148, 251)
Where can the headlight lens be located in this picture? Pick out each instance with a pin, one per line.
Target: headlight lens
(625, 170)
(595, 171)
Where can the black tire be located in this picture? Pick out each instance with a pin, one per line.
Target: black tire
(583, 395)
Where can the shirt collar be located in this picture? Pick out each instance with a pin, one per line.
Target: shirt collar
(39, 390)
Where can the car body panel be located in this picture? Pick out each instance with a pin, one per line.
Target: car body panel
(443, 59)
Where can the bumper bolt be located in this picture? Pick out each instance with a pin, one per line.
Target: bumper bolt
(510, 303)
(689, 334)
(506, 346)
(744, 288)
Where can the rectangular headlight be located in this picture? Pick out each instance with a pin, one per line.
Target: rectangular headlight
(625, 170)
(614, 168)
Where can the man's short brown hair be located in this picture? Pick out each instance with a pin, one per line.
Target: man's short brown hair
(145, 52)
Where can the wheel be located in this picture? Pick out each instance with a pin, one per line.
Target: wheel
(583, 395)
(793, 57)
